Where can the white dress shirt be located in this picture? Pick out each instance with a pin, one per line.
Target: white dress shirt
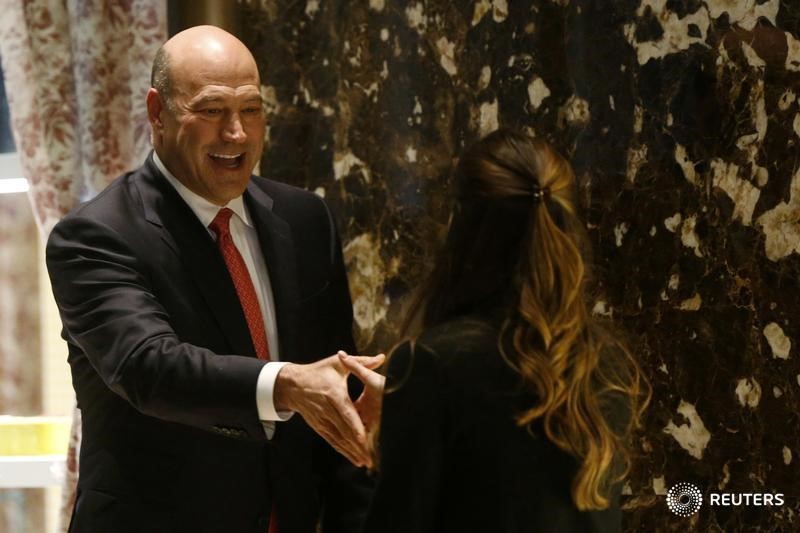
(246, 240)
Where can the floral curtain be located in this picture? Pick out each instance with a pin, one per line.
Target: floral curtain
(76, 73)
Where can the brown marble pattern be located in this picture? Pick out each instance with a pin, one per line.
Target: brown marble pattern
(682, 118)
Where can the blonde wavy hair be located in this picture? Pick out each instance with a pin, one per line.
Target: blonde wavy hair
(516, 243)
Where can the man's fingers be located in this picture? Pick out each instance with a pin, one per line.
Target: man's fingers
(346, 429)
(367, 376)
(346, 424)
(340, 443)
(370, 361)
(356, 460)
(351, 423)
(361, 372)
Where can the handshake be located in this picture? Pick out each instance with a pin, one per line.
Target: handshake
(318, 392)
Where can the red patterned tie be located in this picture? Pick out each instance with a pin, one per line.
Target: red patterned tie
(241, 280)
(247, 296)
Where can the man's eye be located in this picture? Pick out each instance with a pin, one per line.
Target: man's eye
(251, 110)
(212, 111)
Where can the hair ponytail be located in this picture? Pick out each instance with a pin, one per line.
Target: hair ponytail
(557, 347)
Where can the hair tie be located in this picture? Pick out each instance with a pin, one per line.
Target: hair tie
(539, 194)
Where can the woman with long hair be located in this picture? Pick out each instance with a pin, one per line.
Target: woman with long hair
(512, 407)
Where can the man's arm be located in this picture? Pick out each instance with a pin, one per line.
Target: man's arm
(109, 310)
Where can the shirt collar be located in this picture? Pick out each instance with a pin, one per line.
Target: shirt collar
(202, 208)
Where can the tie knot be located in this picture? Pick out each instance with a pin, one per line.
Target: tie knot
(221, 222)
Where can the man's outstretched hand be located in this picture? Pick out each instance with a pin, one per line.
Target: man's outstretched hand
(318, 392)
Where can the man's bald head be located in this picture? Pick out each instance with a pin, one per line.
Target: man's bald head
(193, 47)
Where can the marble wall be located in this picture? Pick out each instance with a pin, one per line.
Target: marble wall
(682, 119)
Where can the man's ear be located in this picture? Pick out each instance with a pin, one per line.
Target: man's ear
(155, 107)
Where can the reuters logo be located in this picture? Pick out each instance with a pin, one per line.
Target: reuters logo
(684, 499)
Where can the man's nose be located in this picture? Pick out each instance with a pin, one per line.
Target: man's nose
(233, 130)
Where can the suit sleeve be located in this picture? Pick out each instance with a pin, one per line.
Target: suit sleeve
(412, 437)
(109, 311)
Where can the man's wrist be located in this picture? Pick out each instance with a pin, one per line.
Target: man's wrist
(285, 384)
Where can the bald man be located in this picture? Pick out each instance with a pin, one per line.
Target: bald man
(201, 306)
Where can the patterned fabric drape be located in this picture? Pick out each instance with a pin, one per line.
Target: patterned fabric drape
(19, 318)
(76, 74)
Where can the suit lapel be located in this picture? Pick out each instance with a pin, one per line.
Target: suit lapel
(277, 246)
(186, 236)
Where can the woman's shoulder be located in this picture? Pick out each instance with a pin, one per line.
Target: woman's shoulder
(463, 334)
(448, 347)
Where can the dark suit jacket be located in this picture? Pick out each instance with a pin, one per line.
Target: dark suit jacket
(165, 371)
(452, 458)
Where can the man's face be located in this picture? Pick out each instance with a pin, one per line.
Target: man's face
(212, 135)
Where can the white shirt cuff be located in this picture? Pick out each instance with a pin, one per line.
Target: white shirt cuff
(265, 388)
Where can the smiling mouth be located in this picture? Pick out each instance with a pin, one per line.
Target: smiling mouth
(229, 161)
